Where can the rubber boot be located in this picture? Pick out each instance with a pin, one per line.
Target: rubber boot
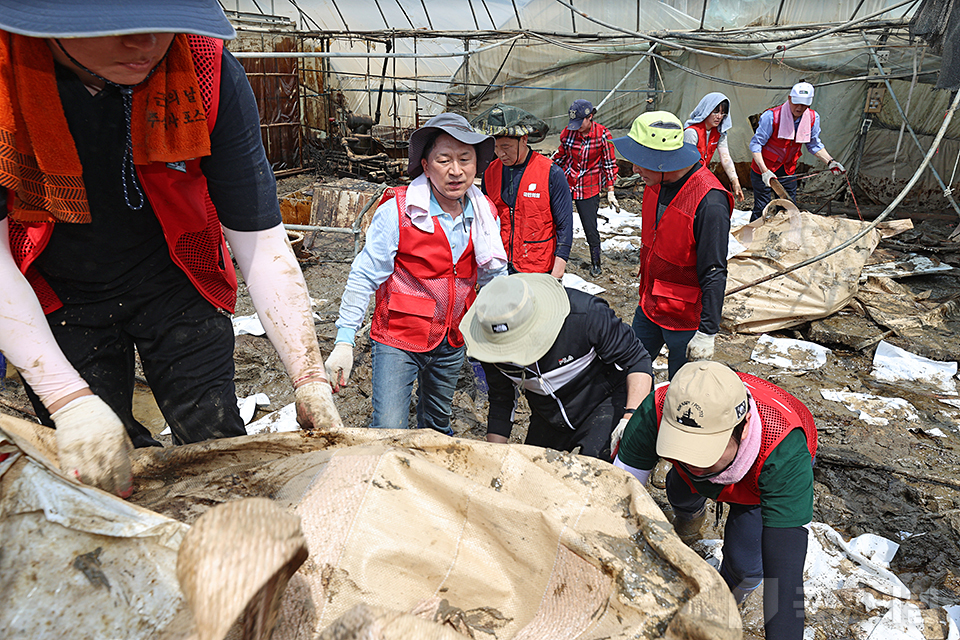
(688, 529)
(595, 261)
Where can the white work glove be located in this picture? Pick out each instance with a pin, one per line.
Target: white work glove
(767, 177)
(612, 201)
(93, 445)
(315, 408)
(836, 168)
(617, 435)
(700, 347)
(339, 365)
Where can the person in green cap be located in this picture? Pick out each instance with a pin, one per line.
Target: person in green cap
(530, 192)
(685, 226)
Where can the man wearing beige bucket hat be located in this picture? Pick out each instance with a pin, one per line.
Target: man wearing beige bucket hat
(685, 229)
(130, 155)
(428, 246)
(743, 441)
(581, 368)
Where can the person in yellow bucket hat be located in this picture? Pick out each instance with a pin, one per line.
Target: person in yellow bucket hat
(683, 258)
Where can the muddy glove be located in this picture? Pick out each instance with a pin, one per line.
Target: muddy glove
(93, 445)
(836, 167)
(767, 177)
(700, 347)
(617, 435)
(315, 408)
(612, 201)
(339, 365)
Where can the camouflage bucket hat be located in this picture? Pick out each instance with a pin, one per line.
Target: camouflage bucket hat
(513, 122)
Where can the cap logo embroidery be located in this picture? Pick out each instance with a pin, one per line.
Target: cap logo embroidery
(741, 410)
(500, 328)
(685, 414)
(573, 114)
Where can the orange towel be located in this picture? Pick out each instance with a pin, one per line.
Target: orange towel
(38, 158)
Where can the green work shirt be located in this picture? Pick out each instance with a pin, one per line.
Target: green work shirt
(786, 480)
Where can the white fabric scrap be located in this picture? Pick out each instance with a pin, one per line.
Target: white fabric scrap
(282, 420)
(573, 281)
(249, 325)
(874, 410)
(894, 364)
(788, 353)
(248, 406)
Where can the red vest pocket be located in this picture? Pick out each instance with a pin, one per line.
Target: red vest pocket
(671, 297)
(411, 316)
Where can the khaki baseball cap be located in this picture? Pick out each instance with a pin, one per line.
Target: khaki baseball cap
(704, 402)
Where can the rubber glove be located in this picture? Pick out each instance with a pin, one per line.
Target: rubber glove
(339, 365)
(767, 177)
(612, 201)
(617, 435)
(315, 408)
(836, 168)
(93, 445)
(700, 347)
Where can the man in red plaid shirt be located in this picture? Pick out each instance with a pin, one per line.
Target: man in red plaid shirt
(587, 158)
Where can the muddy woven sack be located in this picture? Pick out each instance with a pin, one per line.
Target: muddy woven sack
(780, 240)
(414, 534)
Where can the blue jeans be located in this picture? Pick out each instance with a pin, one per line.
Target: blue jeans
(652, 336)
(394, 371)
(762, 194)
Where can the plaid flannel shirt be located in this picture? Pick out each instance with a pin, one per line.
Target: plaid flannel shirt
(587, 161)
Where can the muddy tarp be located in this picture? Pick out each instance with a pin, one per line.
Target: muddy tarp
(781, 240)
(405, 529)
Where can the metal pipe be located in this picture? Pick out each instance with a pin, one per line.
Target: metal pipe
(340, 54)
(627, 75)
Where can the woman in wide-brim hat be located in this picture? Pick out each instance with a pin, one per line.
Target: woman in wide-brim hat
(134, 148)
(428, 246)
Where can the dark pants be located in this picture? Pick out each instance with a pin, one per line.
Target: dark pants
(592, 435)
(185, 347)
(762, 194)
(742, 566)
(652, 336)
(588, 218)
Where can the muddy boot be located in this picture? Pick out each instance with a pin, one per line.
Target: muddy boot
(688, 528)
(595, 261)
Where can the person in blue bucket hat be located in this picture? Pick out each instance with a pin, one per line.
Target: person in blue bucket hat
(683, 257)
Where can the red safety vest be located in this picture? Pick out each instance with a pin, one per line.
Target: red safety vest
(527, 230)
(670, 292)
(706, 149)
(781, 152)
(426, 296)
(179, 199)
(780, 413)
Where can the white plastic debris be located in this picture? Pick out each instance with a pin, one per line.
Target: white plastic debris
(573, 281)
(788, 353)
(248, 406)
(284, 419)
(893, 364)
(875, 410)
(249, 325)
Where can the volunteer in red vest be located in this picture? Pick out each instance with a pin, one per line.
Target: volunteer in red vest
(778, 142)
(587, 158)
(684, 230)
(530, 193)
(428, 246)
(707, 128)
(741, 441)
(132, 138)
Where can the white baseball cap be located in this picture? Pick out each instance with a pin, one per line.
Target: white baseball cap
(802, 93)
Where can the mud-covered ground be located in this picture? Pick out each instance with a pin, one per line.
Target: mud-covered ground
(889, 480)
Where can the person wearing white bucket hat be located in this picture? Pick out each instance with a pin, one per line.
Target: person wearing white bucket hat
(684, 231)
(581, 368)
(745, 442)
(428, 246)
(778, 142)
(132, 148)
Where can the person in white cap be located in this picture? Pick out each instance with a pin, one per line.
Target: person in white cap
(778, 142)
(132, 148)
(684, 233)
(744, 442)
(581, 368)
(428, 247)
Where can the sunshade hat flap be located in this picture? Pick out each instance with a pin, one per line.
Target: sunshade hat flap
(96, 18)
(655, 142)
(515, 318)
(703, 404)
(512, 122)
(456, 126)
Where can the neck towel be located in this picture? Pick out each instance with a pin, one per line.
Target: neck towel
(786, 124)
(747, 454)
(38, 158)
